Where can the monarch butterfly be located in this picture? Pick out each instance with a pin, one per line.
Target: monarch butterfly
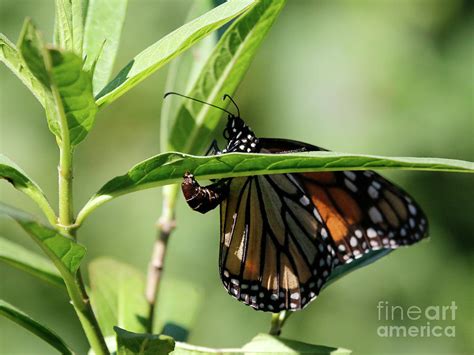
(281, 236)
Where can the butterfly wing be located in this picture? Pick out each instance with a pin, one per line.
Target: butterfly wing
(361, 210)
(272, 255)
(282, 235)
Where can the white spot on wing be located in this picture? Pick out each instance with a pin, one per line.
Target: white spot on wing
(353, 241)
(304, 200)
(350, 185)
(373, 193)
(371, 233)
(295, 296)
(324, 233)
(350, 174)
(317, 215)
(375, 215)
(412, 209)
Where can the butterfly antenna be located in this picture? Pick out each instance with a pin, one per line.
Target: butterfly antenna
(231, 99)
(197, 100)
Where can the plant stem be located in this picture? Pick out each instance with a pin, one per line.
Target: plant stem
(81, 303)
(166, 223)
(44, 205)
(277, 322)
(65, 187)
(75, 286)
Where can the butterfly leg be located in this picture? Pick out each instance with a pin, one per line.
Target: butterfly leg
(213, 149)
(203, 198)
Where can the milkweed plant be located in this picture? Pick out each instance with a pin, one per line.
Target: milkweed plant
(71, 79)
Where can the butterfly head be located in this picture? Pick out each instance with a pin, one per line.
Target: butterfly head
(240, 137)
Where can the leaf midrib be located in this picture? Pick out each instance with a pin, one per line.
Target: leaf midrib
(226, 72)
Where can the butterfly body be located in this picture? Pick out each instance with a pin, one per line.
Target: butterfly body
(283, 235)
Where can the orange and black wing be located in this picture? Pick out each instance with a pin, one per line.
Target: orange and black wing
(272, 253)
(362, 211)
(282, 235)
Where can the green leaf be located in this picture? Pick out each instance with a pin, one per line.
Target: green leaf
(366, 259)
(24, 320)
(64, 252)
(63, 24)
(272, 344)
(24, 259)
(184, 71)
(18, 178)
(69, 25)
(117, 294)
(36, 59)
(74, 87)
(104, 24)
(11, 57)
(169, 168)
(32, 49)
(77, 26)
(167, 48)
(68, 87)
(129, 343)
(179, 303)
(195, 122)
(263, 344)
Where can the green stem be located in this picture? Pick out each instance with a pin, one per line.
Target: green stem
(277, 322)
(90, 206)
(65, 187)
(75, 285)
(44, 205)
(83, 308)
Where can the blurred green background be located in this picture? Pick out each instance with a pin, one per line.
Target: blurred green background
(381, 77)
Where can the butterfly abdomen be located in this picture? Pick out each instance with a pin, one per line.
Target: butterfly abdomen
(202, 199)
